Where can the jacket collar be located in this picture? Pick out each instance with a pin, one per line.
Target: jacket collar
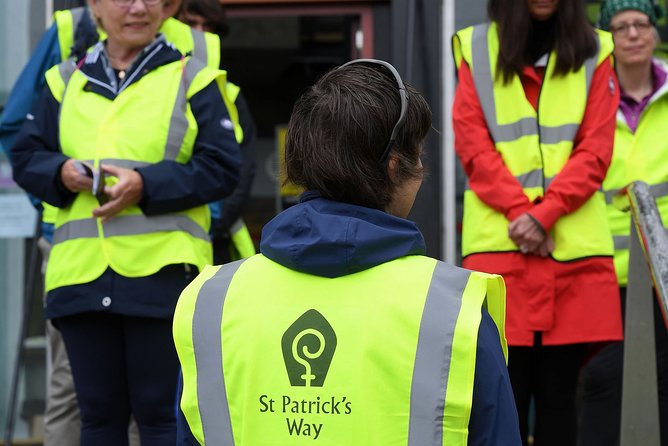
(96, 66)
(331, 239)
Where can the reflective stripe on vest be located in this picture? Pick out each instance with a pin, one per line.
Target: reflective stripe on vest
(77, 15)
(211, 394)
(535, 145)
(623, 241)
(657, 191)
(92, 128)
(66, 70)
(531, 179)
(482, 77)
(434, 352)
(641, 154)
(434, 415)
(178, 123)
(128, 225)
(205, 47)
(199, 45)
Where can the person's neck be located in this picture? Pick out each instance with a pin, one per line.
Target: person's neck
(121, 57)
(636, 80)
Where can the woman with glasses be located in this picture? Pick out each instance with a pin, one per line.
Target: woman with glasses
(342, 331)
(534, 121)
(640, 154)
(130, 142)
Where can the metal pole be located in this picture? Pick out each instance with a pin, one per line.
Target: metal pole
(20, 350)
(648, 265)
(410, 39)
(648, 222)
(448, 177)
(640, 401)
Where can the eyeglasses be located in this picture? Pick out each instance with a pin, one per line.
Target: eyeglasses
(624, 29)
(402, 95)
(128, 3)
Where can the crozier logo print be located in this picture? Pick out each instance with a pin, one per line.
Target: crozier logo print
(308, 348)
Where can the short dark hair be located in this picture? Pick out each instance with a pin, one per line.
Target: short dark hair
(340, 127)
(211, 10)
(574, 38)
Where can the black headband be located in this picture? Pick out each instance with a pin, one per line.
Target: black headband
(402, 94)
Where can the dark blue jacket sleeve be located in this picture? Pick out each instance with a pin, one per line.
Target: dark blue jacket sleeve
(232, 206)
(494, 420)
(28, 87)
(36, 156)
(211, 173)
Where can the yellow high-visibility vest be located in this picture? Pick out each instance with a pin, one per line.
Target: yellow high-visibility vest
(639, 156)
(202, 45)
(275, 356)
(534, 145)
(97, 129)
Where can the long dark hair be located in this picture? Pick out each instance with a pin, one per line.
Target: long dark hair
(573, 36)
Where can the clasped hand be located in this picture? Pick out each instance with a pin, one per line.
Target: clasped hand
(530, 236)
(126, 192)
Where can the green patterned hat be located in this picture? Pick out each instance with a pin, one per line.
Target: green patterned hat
(610, 8)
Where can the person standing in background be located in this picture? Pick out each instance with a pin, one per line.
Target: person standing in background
(71, 34)
(640, 154)
(377, 344)
(534, 117)
(229, 234)
(123, 251)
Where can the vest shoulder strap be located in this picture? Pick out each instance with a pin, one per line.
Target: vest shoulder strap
(206, 47)
(232, 91)
(201, 45)
(66, 22)
(606, 45)
(59, 76)
(461, 46)
(495, 302)
(198, 75)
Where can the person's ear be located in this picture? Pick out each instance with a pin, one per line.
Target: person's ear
(392, 167)
(93, 7)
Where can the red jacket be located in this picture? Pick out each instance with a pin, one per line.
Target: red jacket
(569, 302)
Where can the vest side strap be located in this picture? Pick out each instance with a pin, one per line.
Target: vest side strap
(434, 351)
(208, 350)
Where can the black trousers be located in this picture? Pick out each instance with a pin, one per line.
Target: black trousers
(549, 374)
(600, 417)
(122, 365)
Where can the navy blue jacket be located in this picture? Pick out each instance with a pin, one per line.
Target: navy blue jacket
(169, 186)
(333, 239)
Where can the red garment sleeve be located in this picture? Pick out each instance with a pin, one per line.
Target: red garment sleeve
(592, 152)
(488, 176)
